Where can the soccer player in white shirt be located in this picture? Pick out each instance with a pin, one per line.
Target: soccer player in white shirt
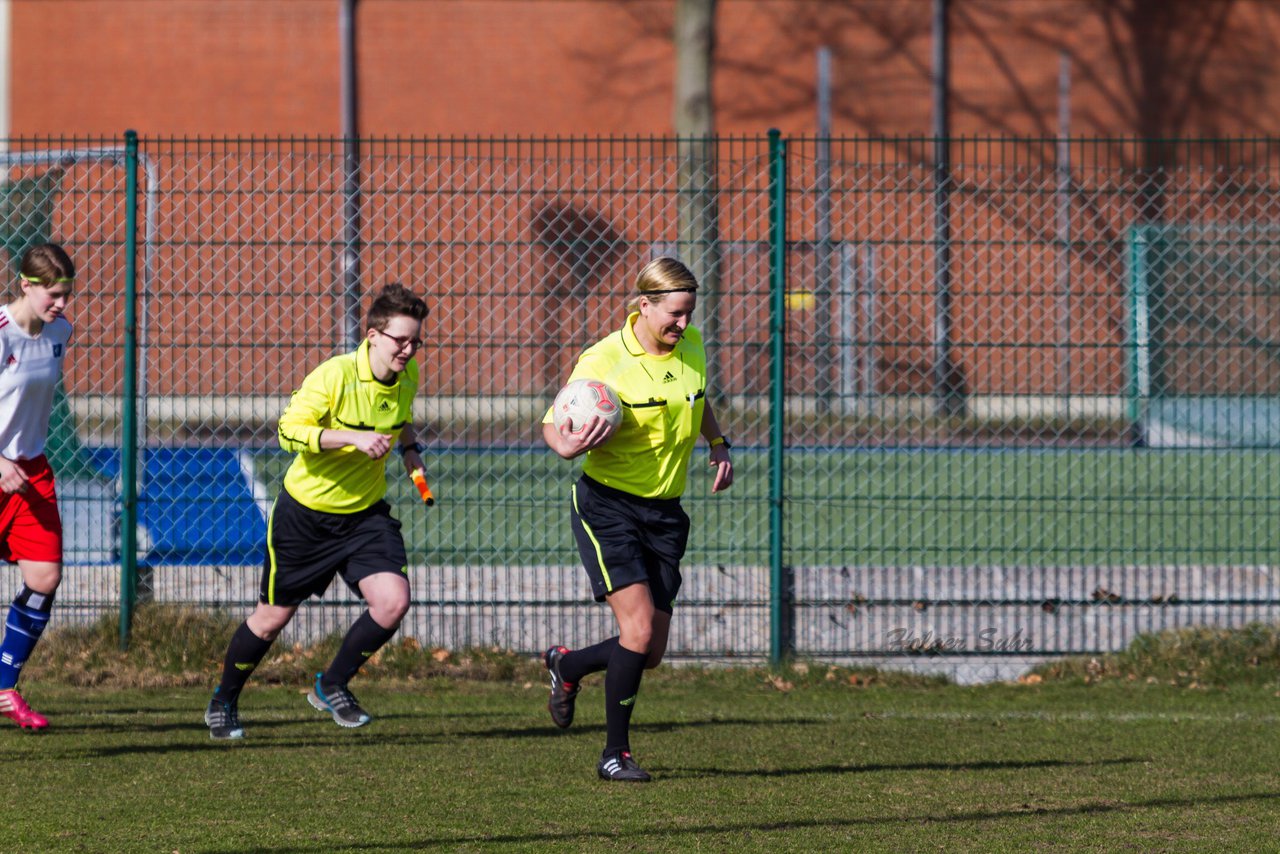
(33, 346)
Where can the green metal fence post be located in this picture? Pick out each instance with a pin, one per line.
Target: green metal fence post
(129, 402)
(1139, 385)
(780, 587)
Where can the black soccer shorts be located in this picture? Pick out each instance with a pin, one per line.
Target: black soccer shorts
(306, 548)
(625, 539)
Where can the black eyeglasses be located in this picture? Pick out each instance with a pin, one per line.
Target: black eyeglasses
(401, 343)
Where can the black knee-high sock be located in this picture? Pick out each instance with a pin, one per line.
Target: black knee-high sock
(364, 638)
(621, 684)
(590, 659)
(243, 654)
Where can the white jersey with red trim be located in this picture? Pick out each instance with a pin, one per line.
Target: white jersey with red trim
(30, 368)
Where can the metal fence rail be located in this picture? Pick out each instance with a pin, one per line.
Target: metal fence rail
(1054, 435)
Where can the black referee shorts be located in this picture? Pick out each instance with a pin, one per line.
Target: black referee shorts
(306, 548)
(625, 539)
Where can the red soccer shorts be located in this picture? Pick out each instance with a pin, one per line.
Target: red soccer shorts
(30, 527)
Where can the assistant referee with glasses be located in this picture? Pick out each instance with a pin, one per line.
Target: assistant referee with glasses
(330, 518)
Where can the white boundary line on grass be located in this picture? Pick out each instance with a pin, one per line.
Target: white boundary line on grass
(278, 713)
(1046, 715)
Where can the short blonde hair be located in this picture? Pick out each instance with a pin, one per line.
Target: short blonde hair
(660, 277)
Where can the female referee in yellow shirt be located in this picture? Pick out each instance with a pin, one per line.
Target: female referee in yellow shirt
(626, 515)
(331, 519)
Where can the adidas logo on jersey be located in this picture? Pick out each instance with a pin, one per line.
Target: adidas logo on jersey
(384, 407)
(12, 360)
(669, 378)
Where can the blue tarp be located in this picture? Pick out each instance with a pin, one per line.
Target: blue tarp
(195, 505)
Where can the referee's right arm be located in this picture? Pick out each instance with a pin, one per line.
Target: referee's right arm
(570, 445)
(308, 408)
(374, 444)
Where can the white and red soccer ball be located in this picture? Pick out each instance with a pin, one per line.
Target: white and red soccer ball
(578, 401)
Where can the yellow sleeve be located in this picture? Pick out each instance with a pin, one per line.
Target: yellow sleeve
(590, 367)
(304, 419)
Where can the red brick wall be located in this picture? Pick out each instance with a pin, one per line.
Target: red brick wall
(559, 67)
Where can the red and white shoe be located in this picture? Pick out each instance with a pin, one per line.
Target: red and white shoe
(13, 707)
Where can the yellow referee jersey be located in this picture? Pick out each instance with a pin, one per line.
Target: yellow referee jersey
(662, 402)
(343, 394)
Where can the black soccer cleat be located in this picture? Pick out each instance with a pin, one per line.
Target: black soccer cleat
(339, 702)
(621, 767)
(560, 703)
(223, 720)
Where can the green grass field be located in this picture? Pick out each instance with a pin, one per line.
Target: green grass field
(884, 508)
(743, 761)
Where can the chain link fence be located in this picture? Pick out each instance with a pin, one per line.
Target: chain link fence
(1023, 408)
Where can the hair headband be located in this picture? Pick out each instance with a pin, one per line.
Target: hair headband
(36, 280)
(668, 291)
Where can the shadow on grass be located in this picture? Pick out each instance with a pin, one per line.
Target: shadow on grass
(328, 735)
(696, 833)
(322, 740)
(267, 734)
(991, 765)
